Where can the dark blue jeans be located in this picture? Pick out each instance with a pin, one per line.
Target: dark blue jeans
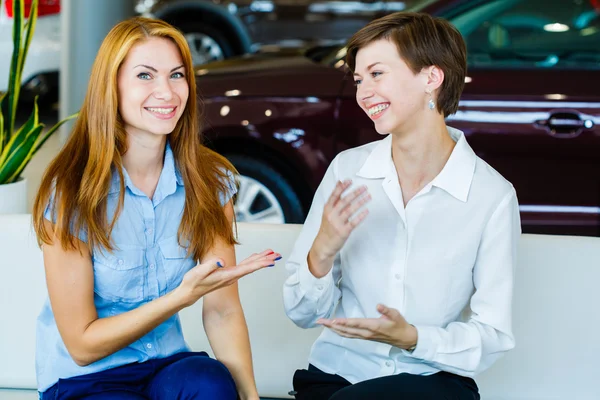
(181, 376)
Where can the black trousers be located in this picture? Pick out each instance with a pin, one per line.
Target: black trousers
(314, 384)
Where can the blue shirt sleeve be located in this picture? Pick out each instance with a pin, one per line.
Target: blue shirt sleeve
(231, 189)
(50, 215)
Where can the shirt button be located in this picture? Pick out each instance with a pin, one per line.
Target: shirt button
(397, 276)
(149, 346)
(120, 262)
(388, 363)
(149, 231)
(151, 266)
(320, 287)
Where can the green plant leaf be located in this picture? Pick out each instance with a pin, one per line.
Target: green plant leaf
(30, 29)
(16, 161)
(20, 47)
(19, 136)
(3, 137)
(14, 79)
(33, 119)
(51, 131)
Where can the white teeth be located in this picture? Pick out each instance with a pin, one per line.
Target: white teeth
(377, 109)
(164, 111)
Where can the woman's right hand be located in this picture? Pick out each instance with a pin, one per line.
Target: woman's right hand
(338, 221)
(213, 274)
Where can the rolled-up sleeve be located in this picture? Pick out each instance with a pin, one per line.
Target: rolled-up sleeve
(51, 214)
(306, 297)
(230, 188)
(468, 348)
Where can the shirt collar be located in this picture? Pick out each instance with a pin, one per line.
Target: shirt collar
(455, 178)
(457, 175)
(169, 177)
(375, 165)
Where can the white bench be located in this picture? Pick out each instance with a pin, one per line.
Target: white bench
(556, 298)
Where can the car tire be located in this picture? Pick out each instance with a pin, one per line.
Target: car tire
(271, 195)
(206, 42)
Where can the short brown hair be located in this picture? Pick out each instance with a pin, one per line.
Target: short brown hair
(422, 41)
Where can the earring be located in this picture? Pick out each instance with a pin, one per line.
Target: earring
(431, 104)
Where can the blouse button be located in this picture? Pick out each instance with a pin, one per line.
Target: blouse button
(120, 262)
(397, 276)
(149, 346)
(388, 363)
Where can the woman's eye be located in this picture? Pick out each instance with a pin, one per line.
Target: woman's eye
(375, 74)
(143, 75)
(177, 75)
(357, 82)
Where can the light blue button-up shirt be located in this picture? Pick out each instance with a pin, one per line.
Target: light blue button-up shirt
(147, 263)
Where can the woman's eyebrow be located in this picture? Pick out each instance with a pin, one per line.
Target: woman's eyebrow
(155, 70)
(369, 67)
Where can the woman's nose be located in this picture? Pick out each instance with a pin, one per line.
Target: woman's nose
(364, 93)
(163, 90)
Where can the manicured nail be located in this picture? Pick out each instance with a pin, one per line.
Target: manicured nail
(278, 258)
(272, 265)
(219, 264)
(271, 252)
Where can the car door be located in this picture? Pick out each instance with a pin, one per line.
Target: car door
(531, 106)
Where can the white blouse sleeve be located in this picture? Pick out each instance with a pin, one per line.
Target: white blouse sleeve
(306, 297)
(467, 348)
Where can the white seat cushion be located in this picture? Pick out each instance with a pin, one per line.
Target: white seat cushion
(555, 303)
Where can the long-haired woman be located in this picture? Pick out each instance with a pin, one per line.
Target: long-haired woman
(135, 219)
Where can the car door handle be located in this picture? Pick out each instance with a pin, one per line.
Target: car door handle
(564, 124)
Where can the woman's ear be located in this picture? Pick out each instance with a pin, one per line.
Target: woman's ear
(435, 78)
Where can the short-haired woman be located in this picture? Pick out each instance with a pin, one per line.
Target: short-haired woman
(408, 251)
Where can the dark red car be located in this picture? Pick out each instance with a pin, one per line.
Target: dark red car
(531, 108)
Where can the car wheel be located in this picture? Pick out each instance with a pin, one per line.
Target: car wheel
(264, 195)
(206, 43)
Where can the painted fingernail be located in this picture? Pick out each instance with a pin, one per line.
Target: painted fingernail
(219, 264)
(278, 258)
(272, 265)
(271, 252)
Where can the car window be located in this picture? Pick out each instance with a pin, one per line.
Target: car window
(532, 33)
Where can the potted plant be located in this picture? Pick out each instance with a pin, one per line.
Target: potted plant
(19, 145)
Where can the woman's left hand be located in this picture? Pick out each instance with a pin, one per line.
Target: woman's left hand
(390, 328)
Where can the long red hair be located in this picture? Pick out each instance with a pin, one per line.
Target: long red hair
(77, 181)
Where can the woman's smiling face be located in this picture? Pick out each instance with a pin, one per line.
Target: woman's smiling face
(387, 89)
(153, 90)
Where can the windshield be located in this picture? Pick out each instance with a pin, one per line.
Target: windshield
(518, 34)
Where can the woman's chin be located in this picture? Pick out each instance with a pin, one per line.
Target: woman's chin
(383, 129)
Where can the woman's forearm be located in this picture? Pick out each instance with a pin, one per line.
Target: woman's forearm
(228, 336)
(105, 336)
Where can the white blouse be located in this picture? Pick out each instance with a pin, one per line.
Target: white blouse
(445, 261)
